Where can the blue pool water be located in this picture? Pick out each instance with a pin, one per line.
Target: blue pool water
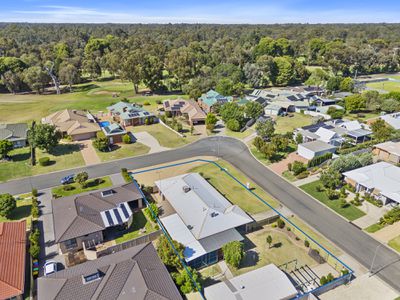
(104, 124)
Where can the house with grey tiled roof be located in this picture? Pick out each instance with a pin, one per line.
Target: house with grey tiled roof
(134, 273)
(129, 114)
(15, 133)
(80, 220)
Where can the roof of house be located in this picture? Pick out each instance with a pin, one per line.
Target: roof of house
(317, 146)
(82, 214)
(193, 110)
(133, 273)
(359, 133)
(391, 147)
(382, 176)
(392, 119)
(128, 111)
(13, 132)
(72, 121)
(113, 129)
(12, 258)
(212, 97)
(268, 282)
(325, 135)
(173, 105)
(200, 206)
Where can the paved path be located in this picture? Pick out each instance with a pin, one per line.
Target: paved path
(386, 234)
(117, 179)
(89, 153)
(309, 179)
(247, 139)
(225, 270)
(373, 214)
(147, 139)
(346, 236)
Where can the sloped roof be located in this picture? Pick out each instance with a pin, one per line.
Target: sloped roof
(113, 128)
(13, 132)
(12, 258)
(129, 111)
(268, 282)
(325, 135)
(317, 146)
(212, 97)
(391, 147)
(202, 208)
(134, 273)
(392, 119)
(382, 176)
(72, 121)
(78, 215)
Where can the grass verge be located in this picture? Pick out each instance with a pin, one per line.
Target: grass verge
(122, 151)
(92, 185)
(395, 243)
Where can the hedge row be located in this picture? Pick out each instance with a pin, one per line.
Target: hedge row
(317, 160)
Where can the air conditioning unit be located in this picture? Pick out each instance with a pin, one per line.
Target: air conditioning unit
(186, 189)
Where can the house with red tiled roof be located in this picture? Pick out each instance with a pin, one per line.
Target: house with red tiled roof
(12, 259)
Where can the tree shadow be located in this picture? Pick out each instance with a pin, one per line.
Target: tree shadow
(250, 259)
(277, 245)
(21, 212)
(64, 149)
(21, 156)
(85, 87)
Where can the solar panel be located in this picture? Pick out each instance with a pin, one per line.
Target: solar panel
(116, 213)
(124, 210)
(146, 113)
(109, 218)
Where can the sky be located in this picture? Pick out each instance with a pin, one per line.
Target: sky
(200, 11)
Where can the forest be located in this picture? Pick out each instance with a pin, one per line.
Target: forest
(192, 58)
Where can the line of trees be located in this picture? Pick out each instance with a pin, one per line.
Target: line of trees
(192, 58)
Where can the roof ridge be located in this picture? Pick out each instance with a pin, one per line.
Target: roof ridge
(64, 282)
(203, 223)
(103, 282)
(130, 271)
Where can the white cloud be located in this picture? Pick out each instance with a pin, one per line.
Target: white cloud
(216, 13)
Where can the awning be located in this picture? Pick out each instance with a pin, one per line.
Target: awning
(116, 216)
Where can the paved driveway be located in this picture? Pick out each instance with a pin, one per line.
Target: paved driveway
(281, 166)
(49, 250)
(150, 141)
(89, 153)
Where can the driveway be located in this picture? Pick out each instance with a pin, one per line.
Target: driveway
(89, 153)
(281, 166)
(150, 141)
(49, 250)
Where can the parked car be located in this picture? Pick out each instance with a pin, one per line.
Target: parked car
(67, 179)
(50, 267)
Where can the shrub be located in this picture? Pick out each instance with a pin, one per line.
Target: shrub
(298, 167)
(101, 144)
(149, 214)
(68, 187)
(34, 251)
(316, 161)
(344, 272)
(233, 125)
(168, 114)
(343, 203)
(280, 223)
(44, 161)
(288, 229)
(320, 188)
(274, 225)
(35, 192)
(289, 166)
(35, 244)
(303, 175)
(126, 138)
(81, 178)
(35, 208)
(100, 135)
(330, 277)
(7, 205)
(125, 175)
(146, 103)
(306, 243)
(323, 280)
(332, 194)
(233, 253)
(158, 102)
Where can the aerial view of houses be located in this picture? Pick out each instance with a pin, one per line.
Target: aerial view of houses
(230, 150)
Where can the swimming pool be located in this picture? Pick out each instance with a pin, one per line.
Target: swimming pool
(104, 123)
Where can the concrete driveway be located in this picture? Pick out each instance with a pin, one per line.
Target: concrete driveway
(150, 141)
(48, 248)
(89, 153)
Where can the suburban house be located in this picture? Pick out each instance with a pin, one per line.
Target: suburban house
(81, 222)
(312, 149)
(187, 108)
(268, 282)
(276, 109)
(12, 259)
(388, 151)
(78, 124)
(203, 220)
(134, 273)
(392, 119)
(129, 114)
(381, 180)
(114, 132)
(17, 134)
(356, 131)
(209, 99)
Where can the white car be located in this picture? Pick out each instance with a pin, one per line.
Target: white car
(50, 267)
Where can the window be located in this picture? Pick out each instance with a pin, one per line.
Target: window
(70, 244)
(91, 277)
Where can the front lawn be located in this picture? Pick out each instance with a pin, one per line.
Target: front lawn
(288, 124)
(92, 185)
(166, 137)
(123, 150)
(240, 135)
(374, 228)
(139, 222)
(63, 156)
(350, 212)
(232, 190)
(395, 243)
(22, 211)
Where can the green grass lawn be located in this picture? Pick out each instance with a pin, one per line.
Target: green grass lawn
(139, 221)
(374, 228)
(123, 150)
(63, 156)
(232, 190)
(389, 86)
(287, 124)
(91, 186)
(21, 212)
(166, 137)
(240, 135)
(94, 96)
(366, 116)
(283, 249)
(395, 243)
(289, 176)
(350, 212)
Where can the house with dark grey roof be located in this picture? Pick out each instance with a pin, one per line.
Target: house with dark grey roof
(80, 221)
(134, 273)
(17, 134)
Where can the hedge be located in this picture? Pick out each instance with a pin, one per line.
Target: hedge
(44, 161)
(317, 160)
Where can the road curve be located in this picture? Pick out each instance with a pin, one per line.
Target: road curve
(352, 240)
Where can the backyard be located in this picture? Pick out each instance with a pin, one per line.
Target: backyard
(232, 190)
(123, 150)
(288, 124)
(63, 156)
(76, 188)
(140, 226)
(350, 212)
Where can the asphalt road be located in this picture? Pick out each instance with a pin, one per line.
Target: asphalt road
(351, 239)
